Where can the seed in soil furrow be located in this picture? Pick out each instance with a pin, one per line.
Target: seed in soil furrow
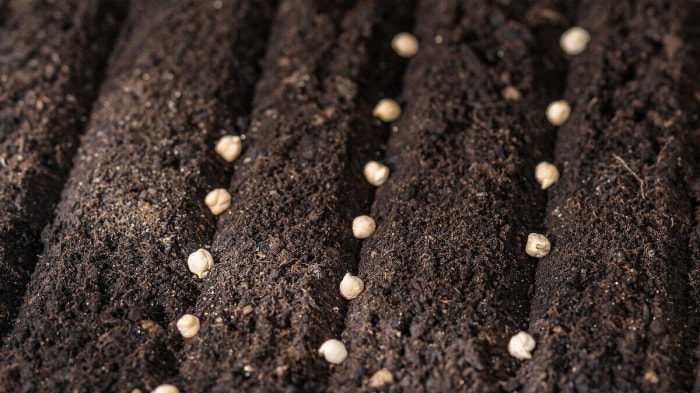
(286, 242)
(609, 311)
(446, 275)
(101, 310)
(51, 62)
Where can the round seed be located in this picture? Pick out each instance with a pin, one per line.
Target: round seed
(188, 325)
(218, 201)
(537, 246)
(333, 351)
(546, 174)
(574, 40)
(405, 44)
(387, 110)
(380, 378)
(510, 93)
(376, 173)
(363, 227)
(521, 345)
(200, 262)
(558, 112)
(229, 147)
(351, 286)
(166, 388)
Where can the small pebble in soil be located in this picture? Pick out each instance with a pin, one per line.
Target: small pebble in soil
(380, 378)
(405, 44)
(574, 40)
(510, 93)
(363, 227)
(387, 110)
(521, 345)
(229, 147)
(537, 246)
(351, 286)
(188, 325)
(376, 173)
(166, 388)
(546, 174)
(218, 201)
(333, 351)
(200, 262)
(558, 112)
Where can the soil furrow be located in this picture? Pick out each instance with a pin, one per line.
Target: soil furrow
(52, 59)
(100, 310)
(610, 306)
(446, 278)
(286, 242)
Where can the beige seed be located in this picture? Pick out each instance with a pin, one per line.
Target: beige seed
(546, 174)
(405, 44)
(333, 351)
(558, 112)
(200, 262)
(574, 40)
(166, 388)
(380, 378)
(387, 110)
(218, 201)
(188, 325)
(537, 246)
(521, 345)
(351, 286)
(510, 93)
(376, 173)
(229, 147)
(363, 227)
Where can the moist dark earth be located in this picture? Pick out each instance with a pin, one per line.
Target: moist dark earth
(109, 114)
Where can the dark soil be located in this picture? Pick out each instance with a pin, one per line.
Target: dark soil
(610, 308)
(91, 305)
(447, 281)
(113, 279)
(285, 244)
(51, 62)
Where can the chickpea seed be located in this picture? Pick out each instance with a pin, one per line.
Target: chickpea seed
(405, 44)
(574, 40)
(387, 110)
(376, 173)
(218, 201)
(363, 227)
(537, 246)
(200, 262)
(333, 351)
(166, 388)
(351, 286)
(229, 147)
(188, 325)
(521, 345)
(558, 112)
(546, 174)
